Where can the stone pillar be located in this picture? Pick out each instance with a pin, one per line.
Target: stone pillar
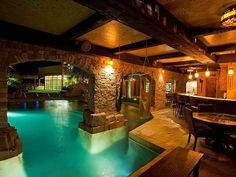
(3, 96)
(10, 144)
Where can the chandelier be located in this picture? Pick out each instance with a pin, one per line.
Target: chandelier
(229, 17)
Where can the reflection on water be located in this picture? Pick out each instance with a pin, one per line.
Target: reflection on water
(132, 114)
(53, 146)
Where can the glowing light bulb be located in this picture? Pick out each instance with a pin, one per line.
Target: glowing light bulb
(163, 71)
(190, 76)
(231, 71)
(207, 73)
(196, 75)
(110, 62)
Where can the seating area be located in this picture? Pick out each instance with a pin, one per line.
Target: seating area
(206, 125)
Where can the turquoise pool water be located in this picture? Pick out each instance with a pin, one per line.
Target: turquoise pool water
(53, 146)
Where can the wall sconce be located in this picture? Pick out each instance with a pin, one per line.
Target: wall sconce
(231, 70)
(207, 73)
(196, 75)
(110, 62)
(163, 71)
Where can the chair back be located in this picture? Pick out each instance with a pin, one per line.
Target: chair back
(189, 117)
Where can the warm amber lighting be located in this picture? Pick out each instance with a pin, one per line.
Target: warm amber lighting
(207, 73)
(110, 62)
(229, 17)
(163, 71)
(190, 76)
(230, 71)
(196, 75)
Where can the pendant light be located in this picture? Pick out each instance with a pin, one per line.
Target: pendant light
(196, 75)
(231, 70)
(190, 76)
(207, 73)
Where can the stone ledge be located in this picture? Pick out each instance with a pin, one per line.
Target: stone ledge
(100, 122)
(10, 143)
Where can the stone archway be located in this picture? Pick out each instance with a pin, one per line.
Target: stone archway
(89, 74)
(102, 83)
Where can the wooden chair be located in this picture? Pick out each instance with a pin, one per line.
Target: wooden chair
(230, 141)
(180, 106)
(196, 129)
(174, 104)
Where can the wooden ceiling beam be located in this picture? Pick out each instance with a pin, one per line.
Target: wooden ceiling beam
(22, 34)
(227, 58)
(166, 56)
(195, 32)
(222, 48)
(91, 23)
(182, 63)
(137, 45)
(153, 20)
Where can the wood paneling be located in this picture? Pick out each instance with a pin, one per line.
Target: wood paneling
(114, 34)
(228, 37)
(176, 59)
(155, 50)
(54, 16)
(196, 13)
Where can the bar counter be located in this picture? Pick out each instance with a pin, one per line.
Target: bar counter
(219, 105)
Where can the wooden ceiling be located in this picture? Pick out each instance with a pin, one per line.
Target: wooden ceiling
(218, 39)
(54, 16)
(113, 34)
(184, 33)
(152, 51)
(197, 13)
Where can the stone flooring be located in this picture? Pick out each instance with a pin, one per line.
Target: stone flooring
(168, 132)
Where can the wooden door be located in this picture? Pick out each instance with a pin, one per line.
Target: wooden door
(211, 87)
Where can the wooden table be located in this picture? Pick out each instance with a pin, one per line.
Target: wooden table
(215, 118)
(220, 124)
(178, 163)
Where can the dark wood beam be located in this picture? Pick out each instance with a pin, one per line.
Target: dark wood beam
(226, 58)
(22, 34)
(166, 56)
(182, 63)
(201, 67)
(222, 48)
(137, 45)
(152, 19)
(195, 32)
(93, 22)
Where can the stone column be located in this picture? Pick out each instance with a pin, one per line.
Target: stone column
(3, 96)
(10, 144)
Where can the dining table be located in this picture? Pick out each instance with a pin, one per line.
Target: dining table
(218, 119)
(220, 123)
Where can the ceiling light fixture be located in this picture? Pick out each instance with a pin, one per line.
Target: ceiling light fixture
(196, 75)
(229, 17)
(231, 70)
(190, 76)
(207, 73)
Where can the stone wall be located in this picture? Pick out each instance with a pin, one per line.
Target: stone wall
(104, 81)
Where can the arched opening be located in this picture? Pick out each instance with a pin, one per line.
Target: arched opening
(34, 81)
(137, 93)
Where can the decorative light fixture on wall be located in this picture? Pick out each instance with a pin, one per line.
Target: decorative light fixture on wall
(231, 70)
(196, 75)
(207, 73)
(229, 16)
(110, 62)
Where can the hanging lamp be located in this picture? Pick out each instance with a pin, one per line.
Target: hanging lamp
(231, 70)
(196, 75)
